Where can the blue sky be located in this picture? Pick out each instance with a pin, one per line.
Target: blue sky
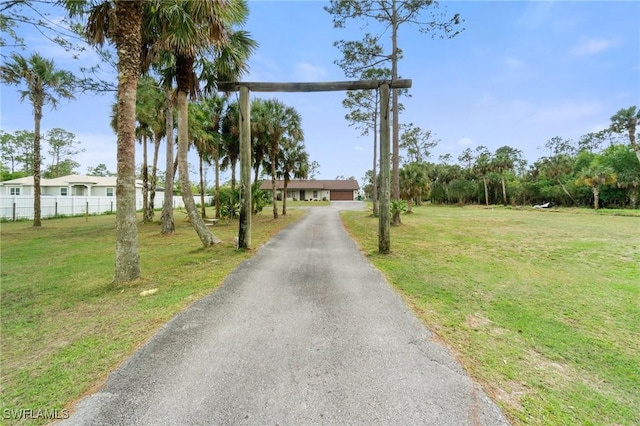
(520, 74)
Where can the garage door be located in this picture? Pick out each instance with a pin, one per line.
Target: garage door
(341, 195)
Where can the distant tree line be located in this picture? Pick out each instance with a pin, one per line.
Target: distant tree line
(601, 169)
(17, 149)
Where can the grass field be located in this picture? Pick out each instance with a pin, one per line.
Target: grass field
(65, 326)
(542, 307)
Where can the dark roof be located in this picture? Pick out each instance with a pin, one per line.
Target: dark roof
(331, 185)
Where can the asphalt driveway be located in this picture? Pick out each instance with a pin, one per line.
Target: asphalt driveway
(307, 332)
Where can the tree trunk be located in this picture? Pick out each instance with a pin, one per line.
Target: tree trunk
(233, 175)
(596, 197)
(284, 197)
(206, 237)
(567, 192)
(168, 225)
(274, 194)
(486, 191)
(256, 172)
(128, 42)
(633, 196)
(504, 191)
(632, 140)
(154, 177)
(216, 155)
(145, 181)
(37, 160)
(203, 208)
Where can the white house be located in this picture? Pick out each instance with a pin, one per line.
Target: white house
(72, 185)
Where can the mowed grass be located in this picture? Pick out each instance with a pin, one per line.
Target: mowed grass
(541, 307)
(65, 326)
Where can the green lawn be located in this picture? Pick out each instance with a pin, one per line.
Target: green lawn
(541, 307)
(65, 326)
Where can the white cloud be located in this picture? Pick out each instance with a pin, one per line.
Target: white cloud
(591, 47)
(305, 71)
(263, 68)
(514, 63)
(465, 142)
(567, 112)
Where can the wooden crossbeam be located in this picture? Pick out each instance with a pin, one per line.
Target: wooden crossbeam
(327, 86)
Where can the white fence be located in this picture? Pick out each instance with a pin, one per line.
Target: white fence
(21, 207)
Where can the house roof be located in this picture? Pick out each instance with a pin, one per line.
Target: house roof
(331, 185)
(68, 180)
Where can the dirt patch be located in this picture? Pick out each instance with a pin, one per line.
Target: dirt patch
(477, 320)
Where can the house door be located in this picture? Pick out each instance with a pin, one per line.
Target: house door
(302, 195)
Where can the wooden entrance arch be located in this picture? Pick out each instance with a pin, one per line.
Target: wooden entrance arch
(244, 232)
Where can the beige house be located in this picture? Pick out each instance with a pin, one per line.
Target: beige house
(317, 190)
(72, 185)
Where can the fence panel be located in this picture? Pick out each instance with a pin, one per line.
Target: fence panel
(21, 207)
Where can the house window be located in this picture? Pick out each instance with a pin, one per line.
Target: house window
(14, 191)
(315, 194)
(109, 192)
(64, 192)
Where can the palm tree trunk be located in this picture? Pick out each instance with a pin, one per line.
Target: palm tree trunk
(154, 177)
(128, 42)
(284, 197)
(233, 175)
(37, 160)
(256, 171)
(203, 208)
(486, 191)
(504, 191)
(633, 196)
(596, 197)
(206, 237)
(273, 184)
(168, 225)
(145, 181)
(217, 167)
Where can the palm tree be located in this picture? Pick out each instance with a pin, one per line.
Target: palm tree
(595, 176)
(626, 120)
(259, 142)
(482, 168)
(504, 161)
(150, 112)
(164, 66)
(212, 107)
(231, 141)
(557, 167)
(413, 183)
(189, 29)
(44, 85)
(121, 21)
(294, 164)
(277, 122)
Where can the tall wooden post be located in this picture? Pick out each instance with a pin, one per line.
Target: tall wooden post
(244, 233)
(384, 233)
